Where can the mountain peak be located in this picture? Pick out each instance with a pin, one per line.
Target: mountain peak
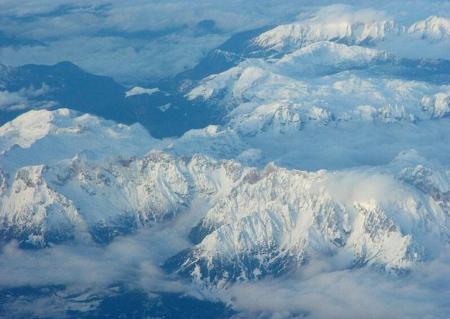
(434, 27)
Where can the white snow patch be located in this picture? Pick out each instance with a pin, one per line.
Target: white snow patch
(137, 90)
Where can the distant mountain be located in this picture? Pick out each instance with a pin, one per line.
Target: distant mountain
(68, 85)
(164, 113)
(167, 112)
(239, 47)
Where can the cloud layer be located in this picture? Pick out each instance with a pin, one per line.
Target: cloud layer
(322, 290)
(144, 40)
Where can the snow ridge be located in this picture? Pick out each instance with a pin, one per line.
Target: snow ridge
(276, 220)
(338, 23)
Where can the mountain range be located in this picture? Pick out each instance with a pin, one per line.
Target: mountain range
(324, 140)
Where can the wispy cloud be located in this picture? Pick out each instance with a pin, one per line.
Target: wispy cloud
(19, 100)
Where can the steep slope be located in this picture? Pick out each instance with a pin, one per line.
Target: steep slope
(260, 222)
(274, 221)
(32, 209)
(338, 23)
(35, 214)
(78, 200)
(320, 82)
(311, 164)
(325, 57)
(70, 176)
(354, 25)
(435, 28)
(331, 91)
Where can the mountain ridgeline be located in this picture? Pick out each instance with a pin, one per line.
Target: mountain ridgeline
(291, 158)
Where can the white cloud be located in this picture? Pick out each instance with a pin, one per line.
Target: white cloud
(128, 61)
(19, 100)
(325, 291)
(134, 259)
(321, 289)
(124, 39)
(105, 41)
(12, 101)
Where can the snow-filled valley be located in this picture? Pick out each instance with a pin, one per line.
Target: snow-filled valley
(305, 175)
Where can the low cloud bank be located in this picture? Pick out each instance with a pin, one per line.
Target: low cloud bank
(321, 291)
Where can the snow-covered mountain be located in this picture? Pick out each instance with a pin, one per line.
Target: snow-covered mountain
(321, 82)
(161, 110)
(433, 27)
(78, 201)
(30, 143)
(337, 23)
(44, 137)
(331, 74)
(275, 220)
(258, 222)
(323, 140)
(352, 26)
